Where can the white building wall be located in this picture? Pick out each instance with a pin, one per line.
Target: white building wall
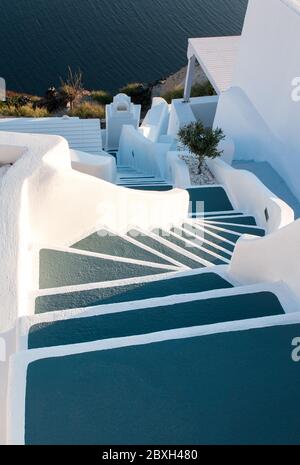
(259, 112)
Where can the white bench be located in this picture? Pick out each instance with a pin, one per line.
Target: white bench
(81, 134)
(101, 166)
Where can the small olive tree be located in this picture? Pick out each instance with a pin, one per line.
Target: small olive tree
(201, 141)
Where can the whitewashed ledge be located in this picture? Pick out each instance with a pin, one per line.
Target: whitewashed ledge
(205, 177)
(4, 169)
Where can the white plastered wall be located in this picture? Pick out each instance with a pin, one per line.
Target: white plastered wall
(44, 201)
(156, 121)
(249, 195)
(142, 154)
(258, 112)
(272, 258)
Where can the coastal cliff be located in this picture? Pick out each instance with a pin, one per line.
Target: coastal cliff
(177, 80)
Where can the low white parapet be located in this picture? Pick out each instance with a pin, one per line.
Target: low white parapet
(177, 171)
(9, 154)
(274, 258)
(142, 154)
(249, 195)
(156, 121)
(44, 201)
(102, 166)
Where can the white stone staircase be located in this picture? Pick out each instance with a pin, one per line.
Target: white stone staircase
(146, 337)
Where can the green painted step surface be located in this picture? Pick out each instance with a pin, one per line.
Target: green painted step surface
(199, 241)
(206, 234)
(188, 247)
(140, 291)
(229, 388)
(247, 220)
(208, 215)
(227, 215)
(211, 248)
(59, 269)
(111, 244)
(152, 320)
(135, 177)
(209, 237)
(239, 229)
(151, 188)
(141, 180)
(162, 248)
(215, 199)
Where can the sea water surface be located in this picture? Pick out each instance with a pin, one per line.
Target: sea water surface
(113, 42)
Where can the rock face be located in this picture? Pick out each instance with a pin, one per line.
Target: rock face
(177, 80)
(205, 177)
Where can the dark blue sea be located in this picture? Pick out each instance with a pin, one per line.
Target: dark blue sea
(113, 42)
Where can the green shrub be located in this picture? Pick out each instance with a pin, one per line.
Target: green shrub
(88, 110)
(198, 90)
(68, 93)
(102, 97)
(35, 98)
(25, 111)
(132, 89)
(175, 93)
(18, 101)
(201, 141)
(30, 112)
(202, 90)
(140, 94)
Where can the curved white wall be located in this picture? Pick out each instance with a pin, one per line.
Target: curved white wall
(141, 153)
(249, 195)
(10, 153)
(177, 171)
(272, 258)
(44, 201)
(156, 121)
(102, 166)
(33, 167)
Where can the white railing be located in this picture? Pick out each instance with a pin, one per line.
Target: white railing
(251, 196)
(272, 258)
